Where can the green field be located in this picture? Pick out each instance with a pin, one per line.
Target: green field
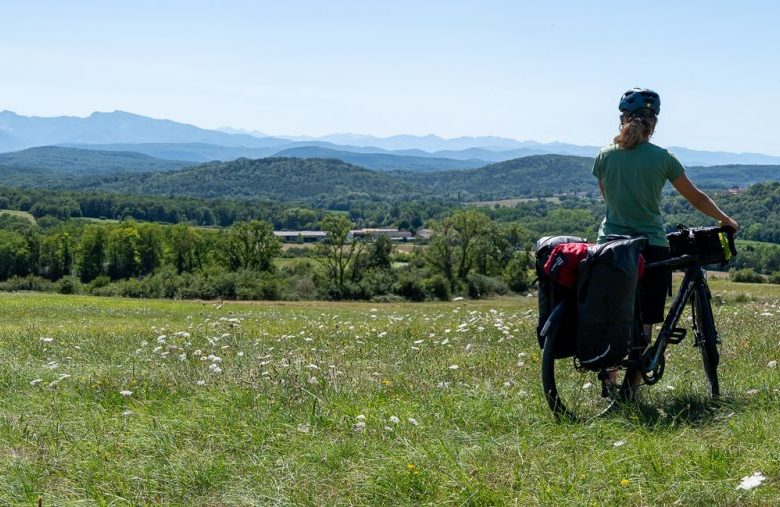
(119, 402)
(511, 203)
(20, 214)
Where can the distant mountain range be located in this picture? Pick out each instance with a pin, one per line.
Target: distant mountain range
(167, 139)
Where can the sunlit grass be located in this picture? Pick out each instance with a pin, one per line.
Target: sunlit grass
(116, 401)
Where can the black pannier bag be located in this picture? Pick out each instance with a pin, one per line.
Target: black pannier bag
(606, 302)
(709, 244)
(550, 294)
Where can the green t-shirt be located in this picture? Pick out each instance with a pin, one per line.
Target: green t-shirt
(633, 180)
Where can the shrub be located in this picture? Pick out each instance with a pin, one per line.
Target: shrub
(438, 287)
(775, 277)
(516, 273)
(411, 288)
(29, 282)
(745, 275)
(68, 285)
(99, 282)
(480, 286)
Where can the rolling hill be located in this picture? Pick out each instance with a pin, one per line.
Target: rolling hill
(383, 161)
(279, 179)
(76, 161)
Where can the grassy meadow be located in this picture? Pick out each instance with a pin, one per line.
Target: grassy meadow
(137, 402)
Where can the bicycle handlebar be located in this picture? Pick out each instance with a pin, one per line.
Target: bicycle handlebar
(687, 260)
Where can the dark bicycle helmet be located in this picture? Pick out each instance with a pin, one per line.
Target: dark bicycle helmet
(640, 98)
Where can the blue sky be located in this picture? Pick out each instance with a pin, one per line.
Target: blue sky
(548, 71)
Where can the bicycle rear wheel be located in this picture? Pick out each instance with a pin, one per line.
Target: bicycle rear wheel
(706, 336)
(571, 392)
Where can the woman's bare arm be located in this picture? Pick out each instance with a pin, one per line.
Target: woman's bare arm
(702, 201)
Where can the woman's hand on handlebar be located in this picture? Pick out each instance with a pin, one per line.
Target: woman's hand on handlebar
(729, 222)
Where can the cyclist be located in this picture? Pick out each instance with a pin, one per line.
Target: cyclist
(631, 173)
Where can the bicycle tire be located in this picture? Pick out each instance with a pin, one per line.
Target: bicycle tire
(573, 393)
(706, 337)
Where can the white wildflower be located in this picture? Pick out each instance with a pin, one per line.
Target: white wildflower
(771, 364)
(619, 443)
(156, 350)
(47, 339)
(454, 367)
(751, 481)
(394, 419)
(413, 421)
(127, 413)
(36, 382)
(587, 385)
(214, 368)
(752, 391)
(126, 393)
(313, 381)
(303, 428)
(382, 334)
(359, 427)
(200, 383)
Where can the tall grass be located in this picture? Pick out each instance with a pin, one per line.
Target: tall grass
(127, 402)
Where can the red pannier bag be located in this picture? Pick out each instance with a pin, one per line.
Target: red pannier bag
(563, 265)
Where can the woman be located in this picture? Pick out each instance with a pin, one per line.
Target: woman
(632, 173)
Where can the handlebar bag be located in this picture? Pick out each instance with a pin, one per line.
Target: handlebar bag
(606, 302)
(709, 244)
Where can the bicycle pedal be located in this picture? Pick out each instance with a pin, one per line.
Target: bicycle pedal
(677, 335)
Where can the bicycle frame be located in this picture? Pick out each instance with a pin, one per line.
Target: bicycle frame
(651, 360)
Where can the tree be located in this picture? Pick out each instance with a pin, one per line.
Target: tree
(150, 247)
(336, 252)
(459, 242)
(249, 245)
(440, 253)
(90, 253)
(15, 255)
(183, 248)
(122, 251)
(57, 254)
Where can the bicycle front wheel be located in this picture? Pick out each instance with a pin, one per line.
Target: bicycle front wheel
(706, 336)
(571, 392)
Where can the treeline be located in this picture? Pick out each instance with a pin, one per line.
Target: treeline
(403, 213)
(468, 254)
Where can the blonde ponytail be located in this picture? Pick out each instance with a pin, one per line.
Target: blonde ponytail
(635, 128)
